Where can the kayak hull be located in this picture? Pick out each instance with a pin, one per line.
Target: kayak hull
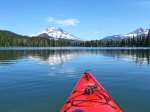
(89, 96)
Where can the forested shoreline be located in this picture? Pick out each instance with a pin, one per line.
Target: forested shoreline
(10, 39)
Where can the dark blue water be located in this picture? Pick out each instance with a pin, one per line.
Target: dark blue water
(40, 80)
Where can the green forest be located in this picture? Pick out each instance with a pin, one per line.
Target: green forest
(10, 39)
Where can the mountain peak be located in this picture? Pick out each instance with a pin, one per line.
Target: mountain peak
(53, 28)
(139, 31)
(56, 33)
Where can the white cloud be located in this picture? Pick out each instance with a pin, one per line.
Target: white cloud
(68, 22)
(50, 19)
(63, 22)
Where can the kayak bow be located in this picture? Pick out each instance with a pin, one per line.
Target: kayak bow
(89, 96)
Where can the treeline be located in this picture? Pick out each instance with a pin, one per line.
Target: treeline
(139, 41)
(10, 39)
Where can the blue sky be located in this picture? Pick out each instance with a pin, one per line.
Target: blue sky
(89, 19)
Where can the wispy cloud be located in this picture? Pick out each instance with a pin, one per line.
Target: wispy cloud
(144, 4)
(71, 22)
(50, 19)
(63, 22)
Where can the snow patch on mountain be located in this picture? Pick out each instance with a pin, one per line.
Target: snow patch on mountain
(56, 33)
(138, 32)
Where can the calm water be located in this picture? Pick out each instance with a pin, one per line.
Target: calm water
(40, 80)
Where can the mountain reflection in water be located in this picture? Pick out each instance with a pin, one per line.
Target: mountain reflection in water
(53, 57)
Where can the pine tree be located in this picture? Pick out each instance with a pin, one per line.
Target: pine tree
(147, 43)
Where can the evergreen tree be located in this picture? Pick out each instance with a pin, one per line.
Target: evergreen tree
(8, 39)
(147, 43)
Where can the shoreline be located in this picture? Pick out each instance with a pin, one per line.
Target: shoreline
(74, 48)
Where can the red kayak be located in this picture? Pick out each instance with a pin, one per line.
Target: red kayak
(89, 96)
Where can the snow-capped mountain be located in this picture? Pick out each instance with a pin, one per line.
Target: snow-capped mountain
(138, 32)
(56, 33)
(114, 37)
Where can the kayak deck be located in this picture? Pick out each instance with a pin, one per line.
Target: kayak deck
(89, 96)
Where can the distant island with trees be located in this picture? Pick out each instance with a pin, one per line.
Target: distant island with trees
(10, 39)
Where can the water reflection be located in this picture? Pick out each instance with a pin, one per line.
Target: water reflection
(53, 57)
(138, 56)
(57, 58)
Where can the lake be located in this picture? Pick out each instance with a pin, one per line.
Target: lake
(41, 79)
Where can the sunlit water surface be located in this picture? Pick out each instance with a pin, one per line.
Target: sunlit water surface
(40, 80)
